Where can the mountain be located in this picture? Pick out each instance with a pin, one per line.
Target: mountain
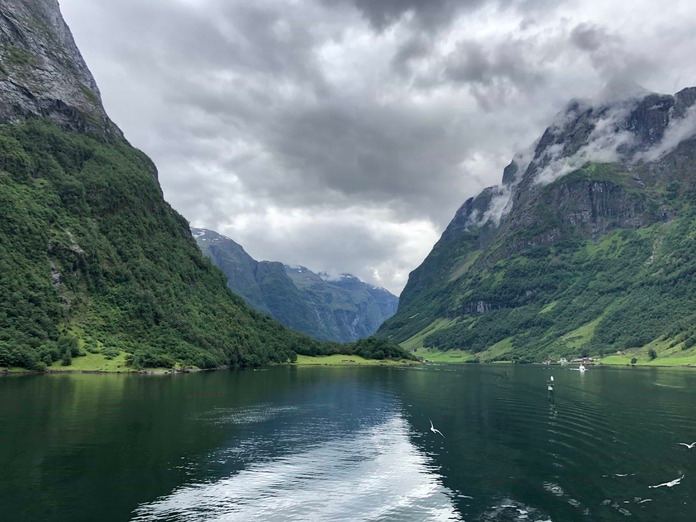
(586, 247)
(93, 260)
(340, 309)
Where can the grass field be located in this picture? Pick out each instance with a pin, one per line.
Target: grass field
(13, 371)
(93, 362)
(448, 357)
(415, 343)
(495, 353)
(346, 360)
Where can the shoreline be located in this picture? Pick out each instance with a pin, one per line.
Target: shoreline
(303, 361)
(327, 361)
(8, 372)
(340, 360)
(558, 365)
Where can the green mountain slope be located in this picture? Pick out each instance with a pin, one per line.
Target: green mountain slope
(586, 248)
(92, 259)
(342, 309)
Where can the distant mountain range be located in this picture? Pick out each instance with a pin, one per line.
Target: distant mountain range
(585, 248)
(341, 309)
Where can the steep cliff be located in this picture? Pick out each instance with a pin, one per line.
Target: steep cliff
(340, 309)
(92, 259)
(586, 247)
(42, 73)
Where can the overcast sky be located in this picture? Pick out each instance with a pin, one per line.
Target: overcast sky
(343, 134)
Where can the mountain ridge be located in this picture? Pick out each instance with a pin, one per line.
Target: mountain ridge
(339, 309)
(622, 172)
(94, 260)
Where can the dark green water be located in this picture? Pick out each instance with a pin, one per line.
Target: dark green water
(350, 444)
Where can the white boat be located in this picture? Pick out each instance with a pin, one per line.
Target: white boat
(582, 368)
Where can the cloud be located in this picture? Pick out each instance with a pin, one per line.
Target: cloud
(612, 58)
(344, 134)
(590, 37)
(429, 13)
(604, 143)
(679, 129)
(388, 249)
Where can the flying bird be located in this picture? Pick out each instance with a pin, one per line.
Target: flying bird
(435, 430)
(670, 484)
(688, 446)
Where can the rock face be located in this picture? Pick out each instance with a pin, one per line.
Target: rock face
(42, 72)
(527, 263)
(341, 309)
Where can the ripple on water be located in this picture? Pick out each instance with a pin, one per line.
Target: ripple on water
(250, 415)
(511, 511)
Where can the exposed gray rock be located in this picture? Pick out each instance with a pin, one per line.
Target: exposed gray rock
(627, 132)
(42, 72)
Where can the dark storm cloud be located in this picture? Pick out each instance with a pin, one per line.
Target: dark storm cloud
(589, 37)
(496, 72)
(343, 134)
(428, 12)
(432, 13)
(621, 67)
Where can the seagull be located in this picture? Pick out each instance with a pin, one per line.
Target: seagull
(670, 484)
(688, 446)
(434, 429)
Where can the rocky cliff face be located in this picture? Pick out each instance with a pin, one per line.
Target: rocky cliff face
(621, 169)
(42, 73)
(93, 260)
(341, 309)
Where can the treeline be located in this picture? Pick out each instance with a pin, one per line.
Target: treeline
(370, 348)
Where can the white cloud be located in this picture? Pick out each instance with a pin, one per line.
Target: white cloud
(678, 130)
(291, 124)
(603, 144)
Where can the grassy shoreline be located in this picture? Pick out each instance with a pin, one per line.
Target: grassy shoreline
(347, 360)
(643, 360)
(98, 364)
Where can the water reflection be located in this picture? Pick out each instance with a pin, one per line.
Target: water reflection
(373, 474)
(350, 444)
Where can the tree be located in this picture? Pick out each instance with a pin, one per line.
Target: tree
(634, 361)
(652, 354)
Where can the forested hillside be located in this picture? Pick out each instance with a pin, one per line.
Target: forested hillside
(586, 248)
(92, 259)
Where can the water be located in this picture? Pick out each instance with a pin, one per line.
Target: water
(350, 444)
